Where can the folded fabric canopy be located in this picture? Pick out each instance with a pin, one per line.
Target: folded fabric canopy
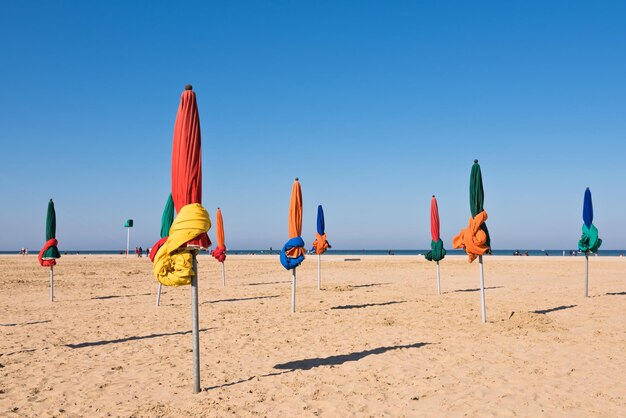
(292, 253)
(320, 245)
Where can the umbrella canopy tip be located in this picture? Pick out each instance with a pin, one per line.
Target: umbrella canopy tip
(475, 161)
(188, 87)
(433, 196)
(297, 179)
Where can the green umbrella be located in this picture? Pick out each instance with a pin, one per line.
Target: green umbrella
(168, 217)
(166, 223)
(51, 229)
(49, 252)
(477, 198)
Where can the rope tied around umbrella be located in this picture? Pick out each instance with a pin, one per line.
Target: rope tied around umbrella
(173, 263)
(473, 239)
(48, 262)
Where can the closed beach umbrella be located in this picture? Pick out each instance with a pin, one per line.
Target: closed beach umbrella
(320, 245)
(437, 252)
(220, 251)
(175, 262)
(589, 241)
(187, 160)
(167, 218)
(49, 252)
(292, 253)
(475, 238)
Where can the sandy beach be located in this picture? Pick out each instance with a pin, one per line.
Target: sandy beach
(376, 341)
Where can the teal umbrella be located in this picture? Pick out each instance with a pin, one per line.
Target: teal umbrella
(475, 239)
(51, 229)
(168, 217)
(166, 223)
(49, 252)
(477, 198)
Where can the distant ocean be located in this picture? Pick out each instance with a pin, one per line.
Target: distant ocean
(543, 253)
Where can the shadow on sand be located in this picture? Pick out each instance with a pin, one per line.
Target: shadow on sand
(134, 338)
(240, 299)
(356, 286)
(262, 283)
(247, 380)
(310, 363)
(474, 290)
(121, 296)
(615, 293)
(25, 323)
(367, 305)
(558, 308)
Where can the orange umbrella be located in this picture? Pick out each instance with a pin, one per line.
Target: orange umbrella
(187, 159)
(220, 251)
(292, 253)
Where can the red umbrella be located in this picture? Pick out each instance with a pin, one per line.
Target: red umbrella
(187, 159)
(173, 266)
(434, 219)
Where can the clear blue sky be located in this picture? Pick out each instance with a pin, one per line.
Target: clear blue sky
(374, 105)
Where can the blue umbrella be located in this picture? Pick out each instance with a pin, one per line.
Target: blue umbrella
(588, 209)
(320, 244)
(589, 241)
(320, 220)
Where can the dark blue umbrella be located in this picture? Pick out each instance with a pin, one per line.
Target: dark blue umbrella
(320, 244)
(320, 220)
(589, 241)
(588, 209)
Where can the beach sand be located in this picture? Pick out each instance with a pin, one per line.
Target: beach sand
(376, 341)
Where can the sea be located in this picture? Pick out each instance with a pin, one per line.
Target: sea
(521, 252)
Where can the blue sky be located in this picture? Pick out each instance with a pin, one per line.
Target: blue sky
(375, 106)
